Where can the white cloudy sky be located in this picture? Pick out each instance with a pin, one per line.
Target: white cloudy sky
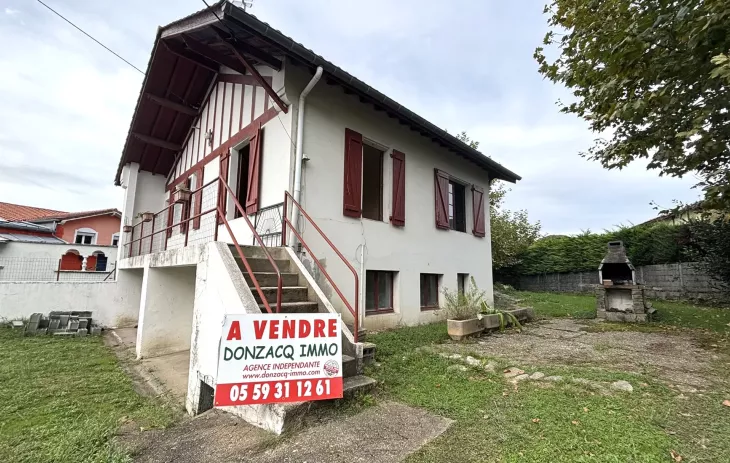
(66, 104)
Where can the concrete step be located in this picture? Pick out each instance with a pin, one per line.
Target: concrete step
(359, 384)
(288, 294)
(257, 252)
(349, 366)
(293, 307)
(270, 279)
(263, 265)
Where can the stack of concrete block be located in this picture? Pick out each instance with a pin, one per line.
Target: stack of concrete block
(60, 323)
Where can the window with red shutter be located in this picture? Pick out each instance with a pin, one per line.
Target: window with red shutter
(197, 198)
(441, 189)
(254, 172)
(398, 217)
(477, 198)
(352, 188)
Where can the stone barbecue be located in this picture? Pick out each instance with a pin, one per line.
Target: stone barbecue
(619, 298)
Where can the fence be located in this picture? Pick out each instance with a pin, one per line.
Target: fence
(666, 281)
(268, 223)
(45, 269)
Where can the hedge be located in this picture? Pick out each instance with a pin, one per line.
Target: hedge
(645, 245)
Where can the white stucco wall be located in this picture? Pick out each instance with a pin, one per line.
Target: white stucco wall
(417, 248)
(150, 193)
(112, 304)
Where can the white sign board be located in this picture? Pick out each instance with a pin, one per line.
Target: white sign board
(270, 358)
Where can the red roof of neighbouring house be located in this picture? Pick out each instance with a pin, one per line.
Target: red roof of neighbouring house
(15, 212)
(77, 215)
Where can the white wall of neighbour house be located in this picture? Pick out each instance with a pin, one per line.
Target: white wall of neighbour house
(417, 248)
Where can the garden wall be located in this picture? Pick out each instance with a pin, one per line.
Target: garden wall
(665, 281)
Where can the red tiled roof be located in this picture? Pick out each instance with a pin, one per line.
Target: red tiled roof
(15, 212)
(76, 215)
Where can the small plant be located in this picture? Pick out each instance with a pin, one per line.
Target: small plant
(463, 305)
(502, 314)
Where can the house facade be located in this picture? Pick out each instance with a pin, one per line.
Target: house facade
(243, 137)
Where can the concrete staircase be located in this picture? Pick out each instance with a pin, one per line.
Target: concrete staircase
(299, 297)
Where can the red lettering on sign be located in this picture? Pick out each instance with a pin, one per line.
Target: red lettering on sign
(304, 328)
(274, 329)
(332, 328)
(289, 329)
(234, 332)
(319, 328)
(259, 326)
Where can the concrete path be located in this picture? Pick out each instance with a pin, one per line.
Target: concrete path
(385, 433)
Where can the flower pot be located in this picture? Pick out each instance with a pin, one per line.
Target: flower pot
(460, 329)
(127, 229)
(147, 216)
(181, 195)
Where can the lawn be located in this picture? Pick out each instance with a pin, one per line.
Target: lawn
(62, 400)
(494, 421)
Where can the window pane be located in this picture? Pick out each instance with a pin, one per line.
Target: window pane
(433, 290)
(369, 290)
(385, 280)
(79, 239)
(87, 239)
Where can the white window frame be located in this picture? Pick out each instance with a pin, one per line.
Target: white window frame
(115, 236)
(86, 232)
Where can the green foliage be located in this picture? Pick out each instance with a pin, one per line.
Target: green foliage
(502, 314)
(463, 305)
(512, 232)
(645, 245)
(709, 245)
(651, 76)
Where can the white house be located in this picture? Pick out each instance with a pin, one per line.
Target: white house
(393, 208)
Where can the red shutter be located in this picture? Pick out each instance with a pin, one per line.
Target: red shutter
(254, 172)
(399, 189)
(352, 195)
(442, 199)
(197, 198)
(225, 161)
(477, 201)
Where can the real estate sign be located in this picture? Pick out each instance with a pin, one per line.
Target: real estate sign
(269, 358)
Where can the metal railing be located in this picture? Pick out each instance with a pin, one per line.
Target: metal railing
(356, 311)
(191, 227)
(268, 224)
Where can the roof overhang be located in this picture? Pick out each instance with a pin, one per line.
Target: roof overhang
(183, 66)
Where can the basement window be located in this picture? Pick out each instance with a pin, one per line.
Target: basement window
(430, 291)
(457, 206)
(372, 183)
(461, 282)
(378, 291)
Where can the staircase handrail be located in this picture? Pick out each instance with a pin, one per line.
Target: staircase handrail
(286, 221)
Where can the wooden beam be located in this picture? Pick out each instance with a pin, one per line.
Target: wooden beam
(210, 53)
(255, 73)
(177, 49)
(157, 142)
(246, 49)
(169, 104)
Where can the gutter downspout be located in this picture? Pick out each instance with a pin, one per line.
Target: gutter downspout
(300, 144)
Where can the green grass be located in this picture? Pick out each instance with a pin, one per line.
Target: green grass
(62, 400)
(559, 304)
(494, 422)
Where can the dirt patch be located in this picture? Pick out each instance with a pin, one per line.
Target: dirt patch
(674, 357)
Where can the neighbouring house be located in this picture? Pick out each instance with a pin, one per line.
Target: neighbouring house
(241, 199)
(34, 243)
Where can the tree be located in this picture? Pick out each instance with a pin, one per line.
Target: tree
(512, 232)
(653, 76)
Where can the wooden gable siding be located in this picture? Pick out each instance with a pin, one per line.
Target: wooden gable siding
(234, 102)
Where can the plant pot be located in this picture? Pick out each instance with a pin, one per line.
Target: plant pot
(460, 329)
(127, 229)
(147, 216)
(181, 195)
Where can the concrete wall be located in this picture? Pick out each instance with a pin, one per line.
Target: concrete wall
(39, 261)
(112, 304)
(419, 247)
(166, 311)
(666, 281)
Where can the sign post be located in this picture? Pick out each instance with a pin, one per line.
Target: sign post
(272, 358)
